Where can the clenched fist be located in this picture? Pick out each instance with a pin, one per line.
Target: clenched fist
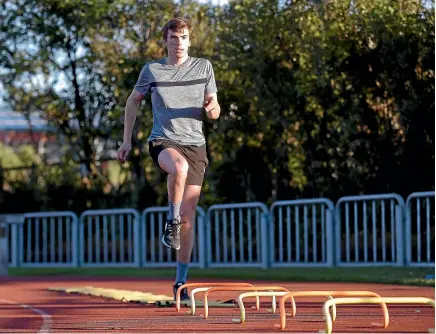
(124, 151)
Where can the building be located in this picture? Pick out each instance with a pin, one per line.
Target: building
(17, 129)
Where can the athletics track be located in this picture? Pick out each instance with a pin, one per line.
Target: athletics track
(27, 305)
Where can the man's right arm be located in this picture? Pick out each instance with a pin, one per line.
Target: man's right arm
(131, 110)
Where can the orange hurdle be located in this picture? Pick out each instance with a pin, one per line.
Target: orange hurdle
(325, 294)
(190, 285)
(241, 297)
(257, 288)
(371, 300)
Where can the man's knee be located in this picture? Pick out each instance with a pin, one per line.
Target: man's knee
(181, 167)
(188, 217)
(173, 162)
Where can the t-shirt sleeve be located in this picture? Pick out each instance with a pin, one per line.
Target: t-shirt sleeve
(210, 83)
(143, 83)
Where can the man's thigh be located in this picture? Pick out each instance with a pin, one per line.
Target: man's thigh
(198, 162)
(166, 156)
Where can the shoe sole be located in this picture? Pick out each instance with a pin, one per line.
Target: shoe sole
(169, 246)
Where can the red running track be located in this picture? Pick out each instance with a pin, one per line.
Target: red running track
(27, 306)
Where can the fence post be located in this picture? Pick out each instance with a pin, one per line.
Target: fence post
(271, 241)
(13, 222)
(202, 251)
(408, 237)
(4, 245)
(330, 238)
(264, 237)
(399, 222)
(137, 226)
(14, 233)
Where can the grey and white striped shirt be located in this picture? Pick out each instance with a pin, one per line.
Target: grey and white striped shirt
(177, 95)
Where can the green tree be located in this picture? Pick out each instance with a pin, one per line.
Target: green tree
(319, 98)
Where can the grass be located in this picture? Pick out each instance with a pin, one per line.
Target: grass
(387, 275)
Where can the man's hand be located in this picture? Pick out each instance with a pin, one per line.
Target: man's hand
(212, 108)
(124, 151)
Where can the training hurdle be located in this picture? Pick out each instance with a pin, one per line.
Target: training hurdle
(209, 285)
(257, 288)
(370, 300)
(272, 294)
(194, 291)
(328, 294)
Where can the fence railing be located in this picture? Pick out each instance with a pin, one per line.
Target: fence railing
(109, 238)
(9, 227)
(369, 230)
(154, 253)
(301, 233)
(237, 235)
(12, 234)
(420, 229)
(48, 239)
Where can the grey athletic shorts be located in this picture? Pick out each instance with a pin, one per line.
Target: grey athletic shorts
(195, 156)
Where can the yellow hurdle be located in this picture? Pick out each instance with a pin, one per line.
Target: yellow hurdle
(210, 285)
(193, 292)
(370, 300)
(257, 288)
(327, 294)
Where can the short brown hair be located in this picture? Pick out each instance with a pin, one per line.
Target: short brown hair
(176, 24)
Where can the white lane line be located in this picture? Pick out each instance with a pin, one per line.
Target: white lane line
(46, 318)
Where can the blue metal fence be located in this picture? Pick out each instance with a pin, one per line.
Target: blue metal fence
(301, 233)
(237, 235)
(369, 230)
(420, 229)
(154, 253)
(110, 238)
(48, 239)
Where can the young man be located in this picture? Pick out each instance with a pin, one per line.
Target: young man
(183, 93)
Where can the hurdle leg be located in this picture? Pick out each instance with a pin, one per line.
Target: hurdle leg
(333, 309)
(193, 292)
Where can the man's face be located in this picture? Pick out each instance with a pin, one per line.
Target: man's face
(178, 43)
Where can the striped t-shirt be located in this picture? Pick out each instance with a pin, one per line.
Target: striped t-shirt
(177, 96)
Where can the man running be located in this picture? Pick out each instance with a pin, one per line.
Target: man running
(183, 91)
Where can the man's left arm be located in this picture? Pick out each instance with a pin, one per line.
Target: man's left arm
(212, 106)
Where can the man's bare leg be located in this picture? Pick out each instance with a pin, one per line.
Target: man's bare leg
(177, 167)
(187, 236)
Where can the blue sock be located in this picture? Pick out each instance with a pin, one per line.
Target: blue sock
(182, 272)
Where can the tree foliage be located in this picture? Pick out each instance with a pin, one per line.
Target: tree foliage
(319, 98)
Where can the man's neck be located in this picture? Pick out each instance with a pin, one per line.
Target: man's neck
(176, 61)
